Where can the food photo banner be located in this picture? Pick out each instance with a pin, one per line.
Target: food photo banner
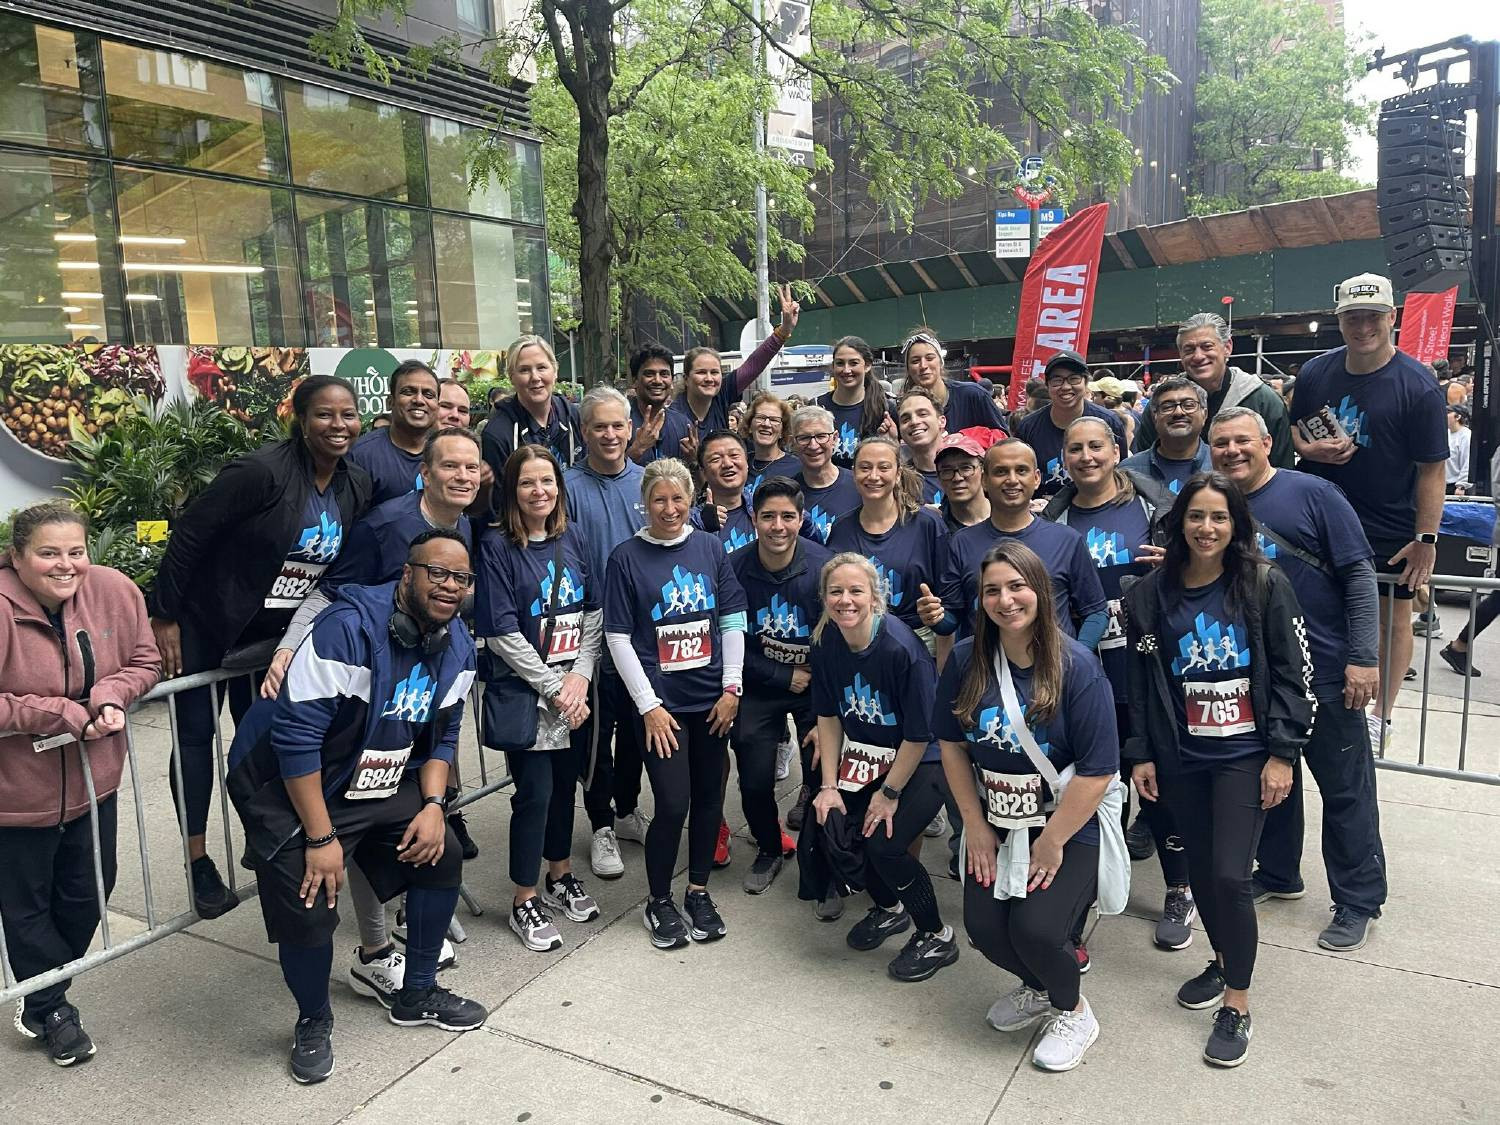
(52, 391)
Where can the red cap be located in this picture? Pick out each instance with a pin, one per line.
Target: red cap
(962, 442)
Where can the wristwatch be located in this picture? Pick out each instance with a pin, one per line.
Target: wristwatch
(1426, 537)
(433, 799)
(890, 794)
(734, 689)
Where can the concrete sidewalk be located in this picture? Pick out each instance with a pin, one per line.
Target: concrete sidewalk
(782, 1022)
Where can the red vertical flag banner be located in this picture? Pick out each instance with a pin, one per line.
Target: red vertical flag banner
(1057, 296)
(1427, 324)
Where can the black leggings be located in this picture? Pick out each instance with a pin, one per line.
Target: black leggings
(758, 733)
(691, 779)
(197, 714)
(1484, 613)
(48, 897)
(1217, 810)
(1029, 936)
(892, 874)
(541, 807)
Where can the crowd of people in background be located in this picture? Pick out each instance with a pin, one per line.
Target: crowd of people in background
(946, 617)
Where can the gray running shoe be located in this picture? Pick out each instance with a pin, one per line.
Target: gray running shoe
(762, 873)
(1348, 931)
(1229, 1042)
(1175, 930)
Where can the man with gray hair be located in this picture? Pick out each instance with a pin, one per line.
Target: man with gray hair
(604, 498)
(827, 490)
(1203, 343)
(1179, 409)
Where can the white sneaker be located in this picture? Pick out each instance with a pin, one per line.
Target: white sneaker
(1018, 1009)
(1068, 1036)
(447, 956)
(785, 752)
(379, 979)
(938, 826)
(632, 827)
(1380, 731)
(604, 855)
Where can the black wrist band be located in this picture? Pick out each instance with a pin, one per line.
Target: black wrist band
(324, 841)
(433, 799)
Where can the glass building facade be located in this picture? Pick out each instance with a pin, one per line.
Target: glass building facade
(153, 197)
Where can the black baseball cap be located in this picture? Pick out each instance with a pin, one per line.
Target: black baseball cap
(1068, 359)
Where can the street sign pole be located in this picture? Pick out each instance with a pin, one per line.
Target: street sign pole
(1036, 226)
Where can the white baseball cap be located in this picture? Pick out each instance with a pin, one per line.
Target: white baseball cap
(1364, 291)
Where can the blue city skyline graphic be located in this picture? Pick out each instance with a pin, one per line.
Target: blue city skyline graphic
(848, 441)
(1267, 548)
(411, 701)
(738, 538)
(1055, 471)
(781, 620)
(890, 583)
(1211, 647)
(866, 704)
(569, 590)
(1107, 548)
(321, 543)
(993, 727)
(1352, 418)
(687, 592)
(821, 520)
(1174, 487)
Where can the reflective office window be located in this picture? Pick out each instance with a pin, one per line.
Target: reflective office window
(350, 144)
(369, 274)
(49, 86)
(450, 161)
(57, 251)
(167, 108)
(491, 282)
(207, 262)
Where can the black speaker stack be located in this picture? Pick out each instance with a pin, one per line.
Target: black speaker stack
(1420, 189)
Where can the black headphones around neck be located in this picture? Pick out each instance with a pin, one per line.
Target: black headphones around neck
(408, 634)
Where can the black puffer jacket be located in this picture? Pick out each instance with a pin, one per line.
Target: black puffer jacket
(1280, 672)
(227, 549)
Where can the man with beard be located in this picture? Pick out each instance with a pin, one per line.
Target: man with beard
(351, 762)
(392, 455)
(1179, 410)
(1067, 376)
(1203, 342)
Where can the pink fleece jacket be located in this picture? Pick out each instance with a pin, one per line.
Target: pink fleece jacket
(42, 691)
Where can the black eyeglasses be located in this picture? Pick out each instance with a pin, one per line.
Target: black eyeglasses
(1185, 406)
(814, 439)
(961, 471)
(437, 575)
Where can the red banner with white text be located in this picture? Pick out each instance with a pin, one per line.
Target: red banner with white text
(1057, 296)
(1427, 324)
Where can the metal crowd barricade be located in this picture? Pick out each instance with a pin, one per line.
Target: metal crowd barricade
(157, 927)
(1463, 768)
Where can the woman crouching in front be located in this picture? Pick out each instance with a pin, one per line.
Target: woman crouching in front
(1027, 723)
(872, 685)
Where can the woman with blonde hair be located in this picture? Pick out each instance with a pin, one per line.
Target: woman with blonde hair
(674, 620)
(882, 778)
(535, 414)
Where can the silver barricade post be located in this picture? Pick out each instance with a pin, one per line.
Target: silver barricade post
(100, 895)
(140, 822)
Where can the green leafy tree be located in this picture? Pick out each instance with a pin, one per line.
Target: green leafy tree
(648, 105)
(1277, 109)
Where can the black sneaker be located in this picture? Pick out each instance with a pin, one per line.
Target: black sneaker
(876, 926)
(662, 918)
(1348, 931)
(67, 1042)
(1204, 990)
(953, 872)
(796, 814)
(312, 1049)
(1263, 893)
(1229, 1042)
(1175, 930)
(461, 830)
(704, 923)
(1460, 662)
(922, 956)
(211, 897)
(1138, 840)
(763, 871)
(437, 1007)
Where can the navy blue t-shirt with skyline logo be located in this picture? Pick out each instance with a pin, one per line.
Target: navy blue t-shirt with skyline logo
(1039, 431)
(318, 543)
(1082, 734)
(1076, 589)
(906, 557)
(1313, 516)
(738, 529)
(1207, 650)
(669, 600)
(846, 420)
(787, 465)
(393, 471)
(1114, 535)
(1397, 417)
(824, 505)
(518, 586)
(881, 695)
